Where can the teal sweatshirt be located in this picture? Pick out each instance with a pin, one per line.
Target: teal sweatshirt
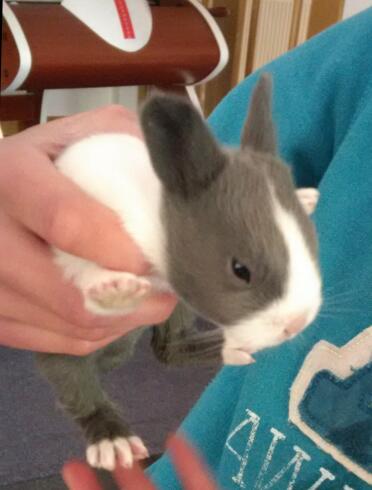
(301, 417)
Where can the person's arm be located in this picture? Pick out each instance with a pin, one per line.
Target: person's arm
(40, 207)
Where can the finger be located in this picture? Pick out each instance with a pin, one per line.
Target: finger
(61, 213)
(29, 337)
(132, 479)
(26, 266)
(54, 136)
(156, 309)
(38, 278)
(16, 307)
(32, 272)
(79, 476)
(191, 470)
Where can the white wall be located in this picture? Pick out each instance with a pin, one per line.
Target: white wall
(352, 7)
(71, 101)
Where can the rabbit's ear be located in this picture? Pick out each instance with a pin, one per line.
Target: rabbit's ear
(184, 154)
(259, 131)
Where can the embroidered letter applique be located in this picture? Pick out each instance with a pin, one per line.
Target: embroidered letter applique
(331, 402)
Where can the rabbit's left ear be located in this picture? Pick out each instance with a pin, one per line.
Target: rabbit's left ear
(308, 197)
(183, 152)
(259, 130)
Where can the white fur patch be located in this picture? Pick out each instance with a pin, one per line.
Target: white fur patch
(116, 291)
(308, 197)
(106, 453)
(302, 293)
(236, 357)
(116, 170)
(105, 292)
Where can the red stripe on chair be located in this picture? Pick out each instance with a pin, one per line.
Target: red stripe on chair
(125, 20)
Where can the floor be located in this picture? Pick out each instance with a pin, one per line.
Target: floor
(34, 431)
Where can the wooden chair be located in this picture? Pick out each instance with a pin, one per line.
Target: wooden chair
(58, 51)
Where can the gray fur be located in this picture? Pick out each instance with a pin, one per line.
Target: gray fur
(259, 131)
(183, 152)
(178, 341)
(231, 218)
(216, 206)
(76, 381)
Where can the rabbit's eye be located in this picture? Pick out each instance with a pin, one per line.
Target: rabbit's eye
(241, 271)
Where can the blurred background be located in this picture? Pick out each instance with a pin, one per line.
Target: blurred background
(256, 32)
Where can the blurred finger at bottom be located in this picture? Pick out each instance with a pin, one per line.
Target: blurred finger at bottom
(79, 476)
(29, 337)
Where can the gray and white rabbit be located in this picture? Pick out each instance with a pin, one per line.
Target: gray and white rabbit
(224, 228)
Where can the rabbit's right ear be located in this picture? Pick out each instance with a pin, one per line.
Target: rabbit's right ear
(259, 130)
(184, 154)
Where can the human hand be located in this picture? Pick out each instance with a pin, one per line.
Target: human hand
(193, 475)
(39, 206)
